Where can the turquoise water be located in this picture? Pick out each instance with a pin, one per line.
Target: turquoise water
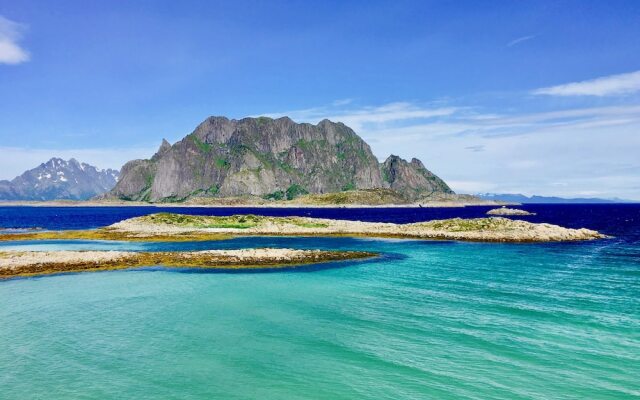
(442, 320)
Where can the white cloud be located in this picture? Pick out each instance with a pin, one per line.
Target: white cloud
(520, 40)
(365, 117)
(606, 86)
(10, 34)
(476, 148)
(16, 160)
(342, 102)
(587, 149)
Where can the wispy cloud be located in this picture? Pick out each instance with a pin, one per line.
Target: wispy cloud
(611, 85)
(342, 102)
(367, 117)
(520, 40)
(409, 119)
(476, 148)
(10, 34)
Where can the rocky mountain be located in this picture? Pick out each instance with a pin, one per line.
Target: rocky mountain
(58, 179)
(274, 159)
(412, 179)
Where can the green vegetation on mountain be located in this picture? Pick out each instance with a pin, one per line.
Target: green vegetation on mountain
(265, 159)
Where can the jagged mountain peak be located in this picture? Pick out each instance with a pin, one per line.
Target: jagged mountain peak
(417, 163)
(164, 147)
(59, 179)
(412, 179)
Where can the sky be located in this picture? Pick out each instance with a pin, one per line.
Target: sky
(529, 97)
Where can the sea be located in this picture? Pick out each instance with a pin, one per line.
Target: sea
(425, 320)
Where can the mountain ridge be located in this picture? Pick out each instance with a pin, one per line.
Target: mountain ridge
(275, 159)
(59, 179)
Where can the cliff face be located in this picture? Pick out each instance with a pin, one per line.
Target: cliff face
(254, 156)
(58, 179)
(411, 179)
(270, 158)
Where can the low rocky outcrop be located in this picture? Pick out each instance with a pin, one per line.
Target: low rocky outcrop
(26, 263)
(504, 211)
(495, 229)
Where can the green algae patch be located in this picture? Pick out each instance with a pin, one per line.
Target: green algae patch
(227, 222)
(468, 225)
(311, 224)
(200, 221)
(13, 264)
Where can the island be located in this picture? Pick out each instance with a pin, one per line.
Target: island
(180, 227)
(29, 263)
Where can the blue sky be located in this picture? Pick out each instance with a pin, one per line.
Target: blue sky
(532, 97)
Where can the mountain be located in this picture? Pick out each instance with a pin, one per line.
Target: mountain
(412, 179)
(274, 159)
(58, 179)
(520, 198)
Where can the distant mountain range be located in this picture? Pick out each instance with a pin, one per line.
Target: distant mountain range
(520, 198)
(270, 159)
(58, 179)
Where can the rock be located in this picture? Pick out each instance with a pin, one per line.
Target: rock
(164, 147)
(508, 211)
(411, 179)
